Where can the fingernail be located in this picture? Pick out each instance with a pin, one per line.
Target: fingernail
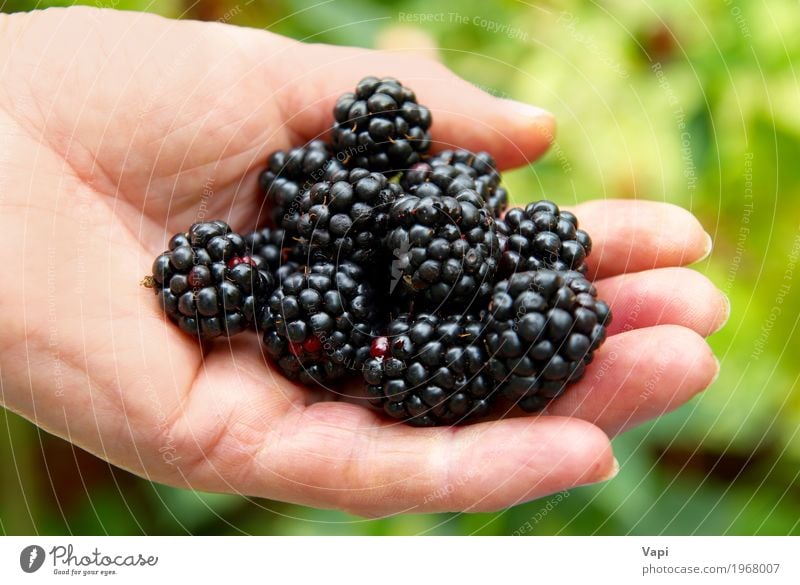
(612, 473)
(726, 316)
(709, 247)
(527, 110)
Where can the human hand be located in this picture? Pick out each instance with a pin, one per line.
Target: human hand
(121, 129)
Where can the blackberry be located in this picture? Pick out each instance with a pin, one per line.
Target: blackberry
(269, 246)
(319, 323)
(381, 126)
(207, 284)
(542, 329)
(291, 172)
(445, 248)
(272, 251)
(342, 217)
(429, 370)
(450, 171)
(542, 236)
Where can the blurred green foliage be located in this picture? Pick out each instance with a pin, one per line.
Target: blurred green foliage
(690, 102)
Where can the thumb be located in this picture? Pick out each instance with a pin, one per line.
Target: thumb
(464, 116)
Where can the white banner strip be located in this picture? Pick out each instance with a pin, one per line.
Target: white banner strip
(399, 560)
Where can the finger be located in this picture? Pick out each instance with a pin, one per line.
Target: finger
(630, 236)
(639, 375)
(463, 115)
(341, 453)
(665, 296)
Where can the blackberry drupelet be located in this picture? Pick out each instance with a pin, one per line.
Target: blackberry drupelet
(542, 236)
(271, 250)
(450, 171)
(319, 324)
(207, 284)
(542, 329)
(343, 217)
(291, 172)
(381, 126)
(445, 249)
(429, 370)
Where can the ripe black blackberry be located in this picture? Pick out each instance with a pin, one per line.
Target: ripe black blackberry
(542, 236)
(381, 126)
(542, 329)
(445, 249)
(451, 171)
(343, 217)
(271, 250)
(319, 322)
(207, 284)
(290, 172)
(429, 370)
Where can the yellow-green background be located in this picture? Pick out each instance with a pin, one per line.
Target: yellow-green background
(727, 462)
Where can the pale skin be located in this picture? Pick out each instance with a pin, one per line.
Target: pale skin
(118, 128)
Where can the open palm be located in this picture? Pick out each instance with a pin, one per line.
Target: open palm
(120, 129)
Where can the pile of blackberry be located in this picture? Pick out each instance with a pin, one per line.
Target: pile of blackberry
(381, 262)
